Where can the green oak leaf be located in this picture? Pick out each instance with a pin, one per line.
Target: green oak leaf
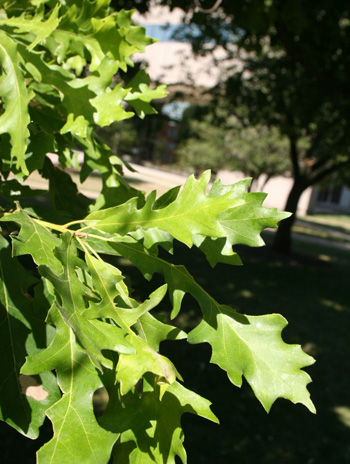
(36, 24)
(192, 213)
(15, 97)
(71, 296)
(131, 367)
(115, 190)
(142, 94)
(119, 42)
(152, 238)
(113, 35)
(252, 346)
(245, 223)
(74, 92)
(217, 250)
(34, 239)
(154, 331)
(237, 346)
(109, 107)
(115, 302)
(74, 423)
(23, 399)
(150, 425)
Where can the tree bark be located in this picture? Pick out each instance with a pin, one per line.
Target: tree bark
(283, 237)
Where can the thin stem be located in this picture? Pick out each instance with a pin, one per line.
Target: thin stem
(49, 225)
(86, 248)
(72, 223)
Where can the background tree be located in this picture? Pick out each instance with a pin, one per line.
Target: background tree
(204, 149)
(260, 152)
(294, 77)
(212, 138)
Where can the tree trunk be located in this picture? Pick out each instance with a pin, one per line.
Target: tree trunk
(283, 237)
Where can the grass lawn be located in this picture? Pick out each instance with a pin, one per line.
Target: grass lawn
(340, 221)
(313, 295)
(327, 226)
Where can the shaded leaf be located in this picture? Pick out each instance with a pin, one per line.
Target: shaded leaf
(14, 190)
(217, 250)
(77, 434)
(115, 302)
(23, 401)
(71, 296)
(150, 427)
(63, 192)
(153, 331)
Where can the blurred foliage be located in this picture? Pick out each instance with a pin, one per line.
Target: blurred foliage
(121, 137)
(220, 140)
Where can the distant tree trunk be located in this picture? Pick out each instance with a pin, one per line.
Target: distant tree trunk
(283, 237)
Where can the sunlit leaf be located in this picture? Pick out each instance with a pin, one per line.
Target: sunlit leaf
(242, 345)
(15, 96)
(192, 213)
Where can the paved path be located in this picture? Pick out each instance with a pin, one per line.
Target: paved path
(145, 178)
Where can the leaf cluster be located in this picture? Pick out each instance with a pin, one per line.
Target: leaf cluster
(69, 323)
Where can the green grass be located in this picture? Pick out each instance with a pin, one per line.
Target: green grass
(335, 220)
(331, 227)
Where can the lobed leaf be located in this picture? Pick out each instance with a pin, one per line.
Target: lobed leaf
(252, 346)
(15, 97)
(115, 302)
(23, 400)
(245, 223)
(109, 107)
(34, 239)
(191, 213)
(34, 24)
(131, 367)
(71, 296)
(150, 426)
(142, 94)
(153, 330)
(77, 435)
(242, 345)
